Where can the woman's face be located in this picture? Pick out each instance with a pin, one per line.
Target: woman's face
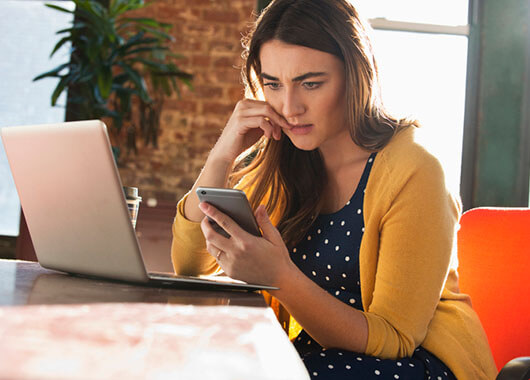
(306, 87)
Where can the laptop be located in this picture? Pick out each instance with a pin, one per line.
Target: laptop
(75, 208)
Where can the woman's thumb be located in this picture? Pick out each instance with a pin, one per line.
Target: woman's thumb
(264, 222)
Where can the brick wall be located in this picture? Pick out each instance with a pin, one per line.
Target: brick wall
(208, 34)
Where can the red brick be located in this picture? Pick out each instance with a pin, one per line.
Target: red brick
(208, 91)
(181, 105)
(221, 16)
(201, 60)
(236, 93)
(225, 62)
(218, 108)
(228, 76)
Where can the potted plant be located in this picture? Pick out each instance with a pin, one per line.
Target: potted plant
(120, 69)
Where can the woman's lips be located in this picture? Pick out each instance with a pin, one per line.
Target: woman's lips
(301, 129)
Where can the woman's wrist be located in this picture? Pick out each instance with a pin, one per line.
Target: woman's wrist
(284, 279)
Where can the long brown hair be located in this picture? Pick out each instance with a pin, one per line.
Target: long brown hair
(291, 179)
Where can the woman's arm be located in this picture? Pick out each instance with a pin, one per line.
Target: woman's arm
(329, 321)
(415, 236)
(250, 120)
(266, 261)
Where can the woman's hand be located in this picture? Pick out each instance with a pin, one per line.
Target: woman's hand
(250, 120)
(262, 260)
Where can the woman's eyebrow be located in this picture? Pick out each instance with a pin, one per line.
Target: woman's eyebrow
(295, 79)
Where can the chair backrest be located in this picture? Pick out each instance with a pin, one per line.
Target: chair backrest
(494, 268)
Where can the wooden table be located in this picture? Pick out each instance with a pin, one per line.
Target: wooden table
(57, 326)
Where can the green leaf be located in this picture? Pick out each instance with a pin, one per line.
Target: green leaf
(52, 73)
(146, 49)
(137, 79)
(56, 7)
(59, 89)
(105, 81)
(159, 33)
(78, 25)
(144, 21)
(61, 42)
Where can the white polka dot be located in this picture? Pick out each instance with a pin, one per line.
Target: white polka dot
(314, 273)
(319, 231)
(348, 203)
(358, 283)
(396, 376)
(315, 373)
(359, 358)
(359, 211)
(330, 366)
(337, 293)
(377, 372)
(326, 241)
(342, 223)
(304, 257)
(445, 373)
(329, 266)
(427, 360)
(337, 248)
(352, 301)
(322, 354)
(362, 229)
(327, 278)
(294, 250)
(340, 353)
(317, 254)
(411, 365)
(344, 275)
(371, 159)
(347, 258)
(399, 364)
(343, 288)
(331, 223)
(348, 233)
(439, 378)
(308, 237)
(348, 367)
(377, 359)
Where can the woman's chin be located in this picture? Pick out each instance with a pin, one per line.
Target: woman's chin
(303, 143)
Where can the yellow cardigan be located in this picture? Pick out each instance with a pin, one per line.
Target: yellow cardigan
(407, 259)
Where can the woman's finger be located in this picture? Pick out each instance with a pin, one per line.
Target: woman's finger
(224, 221)
(260, 108)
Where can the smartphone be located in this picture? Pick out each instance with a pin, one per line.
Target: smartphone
(233, 203)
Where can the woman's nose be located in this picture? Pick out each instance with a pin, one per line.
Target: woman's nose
(292, 107)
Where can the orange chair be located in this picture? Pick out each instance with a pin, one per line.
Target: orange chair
(494, 267)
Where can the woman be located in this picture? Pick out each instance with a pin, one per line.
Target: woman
(362, 226)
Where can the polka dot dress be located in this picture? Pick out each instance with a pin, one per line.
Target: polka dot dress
(329, 255)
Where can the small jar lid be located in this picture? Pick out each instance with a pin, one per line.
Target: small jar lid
(131, 192)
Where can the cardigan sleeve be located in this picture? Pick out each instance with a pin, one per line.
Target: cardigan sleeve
(416, 237)
(188, 248)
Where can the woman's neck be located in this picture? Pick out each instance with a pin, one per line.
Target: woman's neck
(342, 153)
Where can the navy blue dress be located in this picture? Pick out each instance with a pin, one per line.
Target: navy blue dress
(329, 255)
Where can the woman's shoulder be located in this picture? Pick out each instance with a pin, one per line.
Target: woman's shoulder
(406, 162)
(405, 153)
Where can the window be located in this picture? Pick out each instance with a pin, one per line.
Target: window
(421, 50)
(28, 36)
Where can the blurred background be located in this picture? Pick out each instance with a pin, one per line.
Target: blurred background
(459, 66)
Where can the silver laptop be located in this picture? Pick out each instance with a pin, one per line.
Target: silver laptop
(75, 208)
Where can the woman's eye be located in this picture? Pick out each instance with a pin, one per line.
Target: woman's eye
(272, 85)
(311, 85)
